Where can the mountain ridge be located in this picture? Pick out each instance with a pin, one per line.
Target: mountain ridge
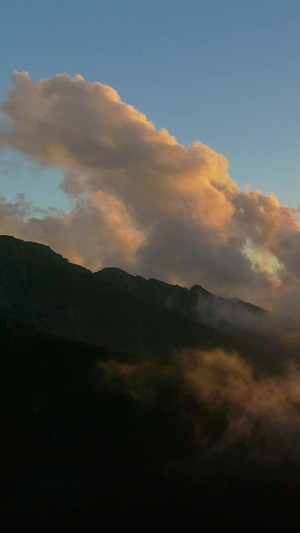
(232, 316)
(123, 275)
(43, 289)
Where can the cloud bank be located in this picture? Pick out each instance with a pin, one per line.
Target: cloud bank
(144, 202)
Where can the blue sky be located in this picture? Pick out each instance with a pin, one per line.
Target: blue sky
(221, 71)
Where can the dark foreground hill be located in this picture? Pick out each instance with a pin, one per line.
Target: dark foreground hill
(96, 440)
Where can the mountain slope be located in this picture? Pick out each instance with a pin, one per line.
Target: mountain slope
(273, 334)
(96, 437)
(40, 288)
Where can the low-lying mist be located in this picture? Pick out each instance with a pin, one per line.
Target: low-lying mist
(222, 398)
(262, 412)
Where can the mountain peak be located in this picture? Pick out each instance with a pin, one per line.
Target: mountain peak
(12, 245)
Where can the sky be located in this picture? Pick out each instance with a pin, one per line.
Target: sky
(224, 73)
(221, 71)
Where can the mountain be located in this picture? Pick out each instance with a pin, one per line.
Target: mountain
(273, 334)
(178, 299)
(110, 308)
(105, 426)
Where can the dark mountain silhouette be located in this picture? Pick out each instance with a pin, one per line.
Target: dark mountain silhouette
(263, 330)
(42, 289)
(102, 429)
(178, 299)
